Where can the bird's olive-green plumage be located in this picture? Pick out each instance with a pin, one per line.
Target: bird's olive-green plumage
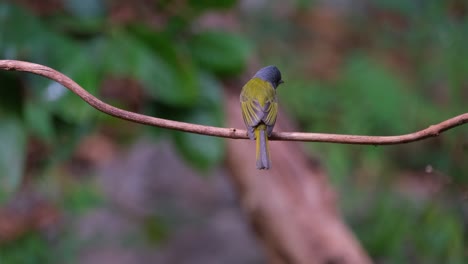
(259, 109)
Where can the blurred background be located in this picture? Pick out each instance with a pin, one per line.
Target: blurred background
(78, 186)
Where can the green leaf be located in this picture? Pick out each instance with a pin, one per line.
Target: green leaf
(201, 151)
(179, 64)
(126, 55)
(26, 36)
(39, 121)
(30, 248)
(12, 153)
(374, 99)
(211, 92)
(19, 32)
(64, 103)
(64, 53)
(159, 42)
(220, 52)
(211, 4)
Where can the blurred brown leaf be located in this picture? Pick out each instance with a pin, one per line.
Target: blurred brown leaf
(26, 212)
(323, 42)
(125, 91)
(44, 7)
(37, 152)
(94, 149)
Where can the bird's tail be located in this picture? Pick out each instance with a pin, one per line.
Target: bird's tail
(262, 151)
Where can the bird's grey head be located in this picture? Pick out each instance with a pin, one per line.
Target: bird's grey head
(270, 74)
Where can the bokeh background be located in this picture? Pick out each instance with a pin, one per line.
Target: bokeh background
(78, 186)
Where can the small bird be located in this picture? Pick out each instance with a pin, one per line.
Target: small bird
(259, 109)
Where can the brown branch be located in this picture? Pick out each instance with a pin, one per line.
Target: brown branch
(432, 131)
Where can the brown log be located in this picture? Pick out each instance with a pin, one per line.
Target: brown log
(292, 206)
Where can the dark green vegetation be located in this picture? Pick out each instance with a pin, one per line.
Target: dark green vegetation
(175, 66)
(395, 68)
(171, 72)
(389, 68)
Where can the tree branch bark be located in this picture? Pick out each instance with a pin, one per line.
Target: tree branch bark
(233, 133)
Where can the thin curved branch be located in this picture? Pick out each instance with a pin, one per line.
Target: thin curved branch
(432, 131)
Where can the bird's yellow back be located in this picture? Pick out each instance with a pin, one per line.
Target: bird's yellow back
(258, 90)
(259, 103)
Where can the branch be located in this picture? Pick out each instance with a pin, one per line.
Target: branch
(234, 133)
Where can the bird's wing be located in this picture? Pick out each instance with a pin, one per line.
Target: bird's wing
(252, 111)
(270, 113)
(259, 105)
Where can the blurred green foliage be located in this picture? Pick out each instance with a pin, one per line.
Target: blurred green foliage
(176, 65)
(397, 231)
(12, 147)
(402, 66)
(32, 248)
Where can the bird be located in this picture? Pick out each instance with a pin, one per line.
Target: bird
(259, 106)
